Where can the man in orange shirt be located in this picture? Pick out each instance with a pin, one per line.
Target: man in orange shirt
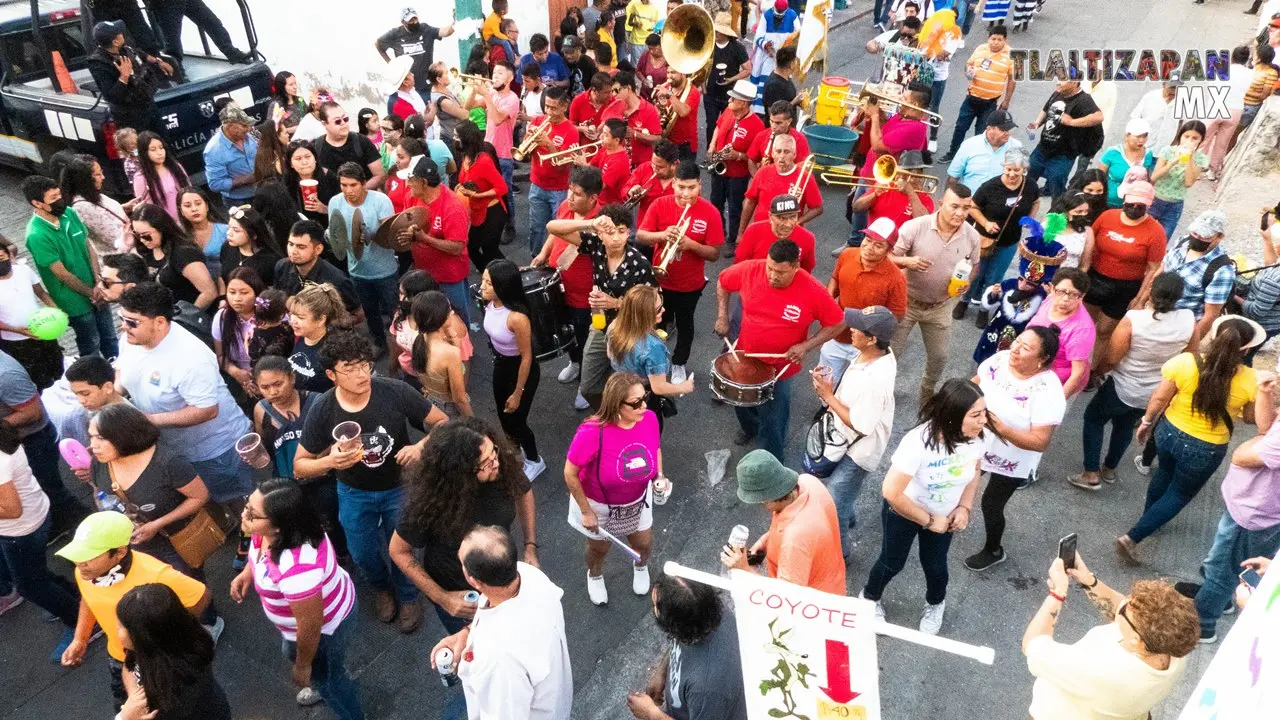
(864, 277)
(613, 161)
(803, 542)
(991, 86)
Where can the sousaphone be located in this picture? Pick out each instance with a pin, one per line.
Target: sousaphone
(689, 40)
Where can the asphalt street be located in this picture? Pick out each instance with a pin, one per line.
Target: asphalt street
(612, 646)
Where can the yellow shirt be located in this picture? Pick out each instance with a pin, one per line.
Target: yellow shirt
(606, 38)
(143, 570)
(991, 72)
(1182, 370)
(646, 15)
(491, 26)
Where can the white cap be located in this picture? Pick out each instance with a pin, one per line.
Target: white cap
(882, 228)
(1137, 126)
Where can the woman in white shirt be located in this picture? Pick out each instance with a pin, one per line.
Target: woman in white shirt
(928, 494)
(863, 405)
(1025, 404)
(1142, 342)
(1118, 670)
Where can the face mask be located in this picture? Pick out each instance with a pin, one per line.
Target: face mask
(1078, 222)
(1193, 242)
(5, 266)
(1135, 212)
(57, 208)
(414, 26)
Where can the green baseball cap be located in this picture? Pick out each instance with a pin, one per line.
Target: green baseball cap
(761, 478)
(99, 533)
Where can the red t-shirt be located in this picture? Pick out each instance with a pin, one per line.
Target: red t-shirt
(1121, 252)
(686, 273)
(615, 168)
(685, 131)
(582, 112)
(759, 237)
(643, 177)
(447, 219)
(775, 319)
(643, 119)
(397, 191)
(740, 133)
(577, 277)
(898, 135)
(756, 151)
(486, 176)
(769, 184)
(896, 206)
(543, 174)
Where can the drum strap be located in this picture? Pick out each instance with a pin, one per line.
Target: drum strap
(566, 258)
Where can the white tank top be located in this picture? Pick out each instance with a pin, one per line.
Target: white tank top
(1154, 341)
(500, 336)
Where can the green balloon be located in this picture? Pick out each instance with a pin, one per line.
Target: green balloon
(47, 323)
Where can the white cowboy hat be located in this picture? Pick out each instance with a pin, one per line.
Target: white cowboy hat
(744, 90)
(396, 71)
(1259, 334)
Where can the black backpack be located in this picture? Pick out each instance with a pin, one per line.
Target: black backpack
(194, 320)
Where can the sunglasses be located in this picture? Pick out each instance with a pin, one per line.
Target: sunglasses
(340, 120)
(634, 404)
(1123, 612)
(130, 323)
(238, 211)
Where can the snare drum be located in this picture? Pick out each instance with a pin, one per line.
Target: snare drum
(552, 332)
(742, 381)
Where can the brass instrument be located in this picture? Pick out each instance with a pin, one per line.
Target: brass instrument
(884, 173)
(566, 156)
(460, 76)
(666, 112)
(530, 142)
(768, 150)
(671, 250)
(637, 195)
(802, 178)
(886, 102)
(688, 39)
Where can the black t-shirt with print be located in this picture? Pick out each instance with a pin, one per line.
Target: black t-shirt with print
(635, 269)
(997, 202)
(778, 88)
(420, 45)
(357, 149)
(1057, 139)
(170, 273)
(305, 361)
(393, 406)
(439, 554)
(580, 74)
(155, 493)
(725, 63)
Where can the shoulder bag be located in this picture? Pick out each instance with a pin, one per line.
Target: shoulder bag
(195, 542)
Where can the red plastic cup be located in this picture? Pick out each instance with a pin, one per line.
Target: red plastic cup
(310, 190)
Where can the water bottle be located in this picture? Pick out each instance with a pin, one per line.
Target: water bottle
(444, 666)
(472, 597)
(106, 501)
(737, 540)
(960, 277)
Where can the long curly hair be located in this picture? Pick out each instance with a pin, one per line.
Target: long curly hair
(443, 487)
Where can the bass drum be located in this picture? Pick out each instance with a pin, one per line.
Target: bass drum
(552, 332)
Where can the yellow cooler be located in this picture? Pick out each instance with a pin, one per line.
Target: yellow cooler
(830, 111)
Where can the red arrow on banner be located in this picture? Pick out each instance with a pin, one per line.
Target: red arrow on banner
(838, 687)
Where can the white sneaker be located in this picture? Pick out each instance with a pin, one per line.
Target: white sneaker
(308, 696)
(533, 469)
(678, 374)
(879, 607)
(933, 146)
(640, 579)
(931, 618)
(216, 629)
(1137, 463)
(580, 403)
(596, 590)
(569, 373)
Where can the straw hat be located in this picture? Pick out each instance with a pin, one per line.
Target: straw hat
(1259, 334)
(724, 24)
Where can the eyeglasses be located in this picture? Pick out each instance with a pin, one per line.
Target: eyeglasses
(634, 404)
(340, 120)
(357, 368)
(130, 323)
(1069, 294)
(251, 516)
(489, 462)
(1122, 612)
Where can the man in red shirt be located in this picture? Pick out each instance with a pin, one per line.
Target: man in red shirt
(865, 277)
(729, 142)
(899, 202)
(781, 122)
(780, 177)
(440, 247)
(644, 127)
(654, 180)
(684, 133)
(783, 224)
(684, 278)
(587, 109)
(779, 303)
(613, 162)
(905, 131)
(582, 203)
(549, 184)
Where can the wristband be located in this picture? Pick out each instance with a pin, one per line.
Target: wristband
(1145, 422)
(1056, 596)
(530, 542)
(1091, 585)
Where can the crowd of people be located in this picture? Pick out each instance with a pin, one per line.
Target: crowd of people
(293, 374)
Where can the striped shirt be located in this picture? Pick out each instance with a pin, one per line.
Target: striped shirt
(1262, 85)
(991, 72)
(302, 573)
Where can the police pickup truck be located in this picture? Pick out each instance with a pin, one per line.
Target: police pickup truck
(49, 101)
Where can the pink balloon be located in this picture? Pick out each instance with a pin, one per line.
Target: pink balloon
(76, 455)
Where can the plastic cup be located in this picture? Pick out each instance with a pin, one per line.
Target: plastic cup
(310, 190)
(250, 449)
(347, 435)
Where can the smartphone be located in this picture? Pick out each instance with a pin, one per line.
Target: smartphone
(1265, 223)
(755, 558)
(1251, 578)
(1067, 551)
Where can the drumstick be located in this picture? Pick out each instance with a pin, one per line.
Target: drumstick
(733, 351)
(764, 355)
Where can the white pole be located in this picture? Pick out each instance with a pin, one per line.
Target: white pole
(981, 653)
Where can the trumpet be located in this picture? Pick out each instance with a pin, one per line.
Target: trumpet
(802, 178)
(566, 156)
(636, 196)
(890, 104)
(530, 142)
(460, 76)
(884, 173)
(671, 250)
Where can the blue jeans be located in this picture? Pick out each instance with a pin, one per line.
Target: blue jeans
(459, 297)
(769, 421)
(991, 271)
(895, 547)
(844, 483)
(329, 670)
(369, 517)
(1167, 213)
(227, 476)
(972, 110)
(378, 298)
(935, 100)
(967, 10)
(1186, 463)
(542, 207)
(728, 193)
(858, 220)
(455, 708)
(1054, 170)
(96, 333)
(23, 567)
(1232, 545)
(508, 168)
(881, 12)
(1107, 407)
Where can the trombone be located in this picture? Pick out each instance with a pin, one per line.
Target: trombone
(566, 156)
(671, 250)
(889, 103)
(802, 178)
(884, 173)
(530, 142)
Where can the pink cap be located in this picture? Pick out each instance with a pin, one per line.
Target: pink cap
(1140, 192)
(780, 6)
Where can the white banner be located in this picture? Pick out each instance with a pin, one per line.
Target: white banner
(813, 33)
(1243, 680)
(806, 654)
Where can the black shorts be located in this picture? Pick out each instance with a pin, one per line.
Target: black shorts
(1111, 296)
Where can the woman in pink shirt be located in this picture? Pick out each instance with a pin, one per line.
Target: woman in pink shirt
(161, 175)
(1076, 331)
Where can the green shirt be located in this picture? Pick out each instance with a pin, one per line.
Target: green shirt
(67, 243)
(1172, 186)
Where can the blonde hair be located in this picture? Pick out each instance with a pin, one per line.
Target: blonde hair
(615, 394)
(636, 319)
(322, 300)
(122, 135)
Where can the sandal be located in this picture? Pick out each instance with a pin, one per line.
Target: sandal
(1109, 476)
(1078, 482)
